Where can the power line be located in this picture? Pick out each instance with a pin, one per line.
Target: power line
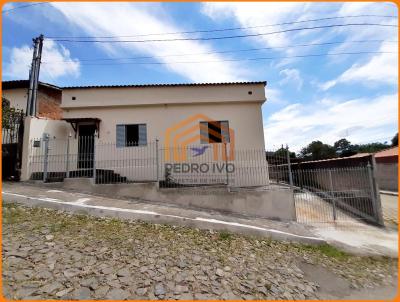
(226, 51)
(236, 60)
(23, 6)
(223, 29)
(226, 37)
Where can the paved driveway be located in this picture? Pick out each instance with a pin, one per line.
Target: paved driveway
(390, 208)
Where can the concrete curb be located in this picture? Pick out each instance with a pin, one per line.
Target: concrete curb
(160, 218)
(389, 193)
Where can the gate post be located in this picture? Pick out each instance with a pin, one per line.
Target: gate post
(375, 197)
(67, 163)
(26, 150)
(333, 199)
(226, 164)
(157, 165)
(289, 167)
(94, 157)
(46, 138)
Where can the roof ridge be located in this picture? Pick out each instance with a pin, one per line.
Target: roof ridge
(168, 84)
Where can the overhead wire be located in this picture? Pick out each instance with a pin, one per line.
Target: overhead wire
(226, 37)
(224, 51)
(224, 29)
(22, 6)
(236, 60)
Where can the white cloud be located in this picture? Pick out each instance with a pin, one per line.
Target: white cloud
(256, 14)
(274, 95)
(353, 8)
(291, 76)
(135, 19)
(359, 120)
(381, 68)
(21, 58)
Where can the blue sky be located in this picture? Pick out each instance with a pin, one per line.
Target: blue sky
(324, 98)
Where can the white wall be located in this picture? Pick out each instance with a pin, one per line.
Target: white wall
(35, 128)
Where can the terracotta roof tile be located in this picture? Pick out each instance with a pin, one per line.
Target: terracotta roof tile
(388, 152)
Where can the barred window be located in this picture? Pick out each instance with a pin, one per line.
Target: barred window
(131, 135)
(214, 132)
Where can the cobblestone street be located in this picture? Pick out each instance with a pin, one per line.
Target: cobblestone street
(49, 254)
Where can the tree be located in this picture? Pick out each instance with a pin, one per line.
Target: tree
(282, 152)
(371, 147)
(344, 148)
(395, 141)
(10, 116)
(318, 150)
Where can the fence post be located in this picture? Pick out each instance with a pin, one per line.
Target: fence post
(67, 164)
(374, 192)
(94, 157)
(226, 164)
(157, 165)
(289, 166)
(46, 138)
(333, 194)
(378, 195)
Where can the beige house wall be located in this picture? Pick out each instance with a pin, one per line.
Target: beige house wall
(162, 107)
(128, 96)
(48, 101)
(17, 97)
(244, 118)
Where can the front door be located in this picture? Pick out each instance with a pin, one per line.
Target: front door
(86, 146)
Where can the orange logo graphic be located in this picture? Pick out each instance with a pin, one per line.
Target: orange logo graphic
(193, 129)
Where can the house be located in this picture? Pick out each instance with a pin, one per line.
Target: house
(49, 97)
(387, 168)
(152, 109)
(181, 126)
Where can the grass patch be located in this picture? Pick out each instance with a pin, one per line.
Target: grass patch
(225, 236)
(12, 214)
(58, 226)
(327, 250)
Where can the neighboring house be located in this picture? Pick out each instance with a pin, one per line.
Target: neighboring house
(387, 167)
(49, 97)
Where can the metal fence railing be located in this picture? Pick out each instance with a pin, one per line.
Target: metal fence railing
(320, 195)
(187, 166)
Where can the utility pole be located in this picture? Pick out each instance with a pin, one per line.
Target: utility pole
(31, 105)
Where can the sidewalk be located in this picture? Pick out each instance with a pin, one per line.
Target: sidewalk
(375, 240)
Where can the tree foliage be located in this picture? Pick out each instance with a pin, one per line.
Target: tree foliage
(282, 152)
(10, 115)
(395, 141)
(317, 150)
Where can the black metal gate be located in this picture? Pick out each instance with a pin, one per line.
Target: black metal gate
(12, 138)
